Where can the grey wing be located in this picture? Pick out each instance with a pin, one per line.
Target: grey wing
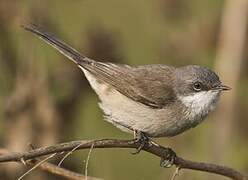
(146, 84)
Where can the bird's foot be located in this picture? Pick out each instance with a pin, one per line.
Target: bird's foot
(142, 139)
(169, 158)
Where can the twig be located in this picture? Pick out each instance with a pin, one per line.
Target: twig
(175, 174)
(23, 161)
(87, 161)
(53, 169)
(155, 149)
(68, 154)
(35, 166)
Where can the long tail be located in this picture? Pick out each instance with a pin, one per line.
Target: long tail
(107, 72)
(62, 47)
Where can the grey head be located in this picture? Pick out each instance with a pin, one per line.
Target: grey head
(198, 88)
(192, 79)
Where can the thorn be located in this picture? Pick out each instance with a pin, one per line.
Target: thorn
(31, 146)
(23, 161)
(176, 173)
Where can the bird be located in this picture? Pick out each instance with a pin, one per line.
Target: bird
(156, 100)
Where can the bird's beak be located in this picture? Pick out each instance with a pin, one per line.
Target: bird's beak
(222, 87)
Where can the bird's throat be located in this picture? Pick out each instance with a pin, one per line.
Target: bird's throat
(200, 104)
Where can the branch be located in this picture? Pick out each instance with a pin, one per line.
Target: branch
(51, 168)
(153, 148)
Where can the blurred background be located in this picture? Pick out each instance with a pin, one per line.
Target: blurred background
(45, 99)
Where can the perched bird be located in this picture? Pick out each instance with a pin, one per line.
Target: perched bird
(156, 100)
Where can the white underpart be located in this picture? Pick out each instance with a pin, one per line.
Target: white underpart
(200, 104)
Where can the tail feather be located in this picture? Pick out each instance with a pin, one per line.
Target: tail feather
(61, 46)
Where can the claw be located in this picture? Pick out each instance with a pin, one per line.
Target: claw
(169, 159)
(142, 139)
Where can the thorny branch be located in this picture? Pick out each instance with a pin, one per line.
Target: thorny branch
(152, 148)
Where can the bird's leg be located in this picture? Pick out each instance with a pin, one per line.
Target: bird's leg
(141, 138)
(168, 160)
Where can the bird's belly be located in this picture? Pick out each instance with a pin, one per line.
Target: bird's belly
(129, 115)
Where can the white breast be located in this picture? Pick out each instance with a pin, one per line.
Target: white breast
(200, 104)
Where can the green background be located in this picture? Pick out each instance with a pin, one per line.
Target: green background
(45, 99)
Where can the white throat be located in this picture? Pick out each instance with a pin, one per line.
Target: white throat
(200, 104)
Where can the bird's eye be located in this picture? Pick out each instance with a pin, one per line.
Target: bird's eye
(197, 86)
